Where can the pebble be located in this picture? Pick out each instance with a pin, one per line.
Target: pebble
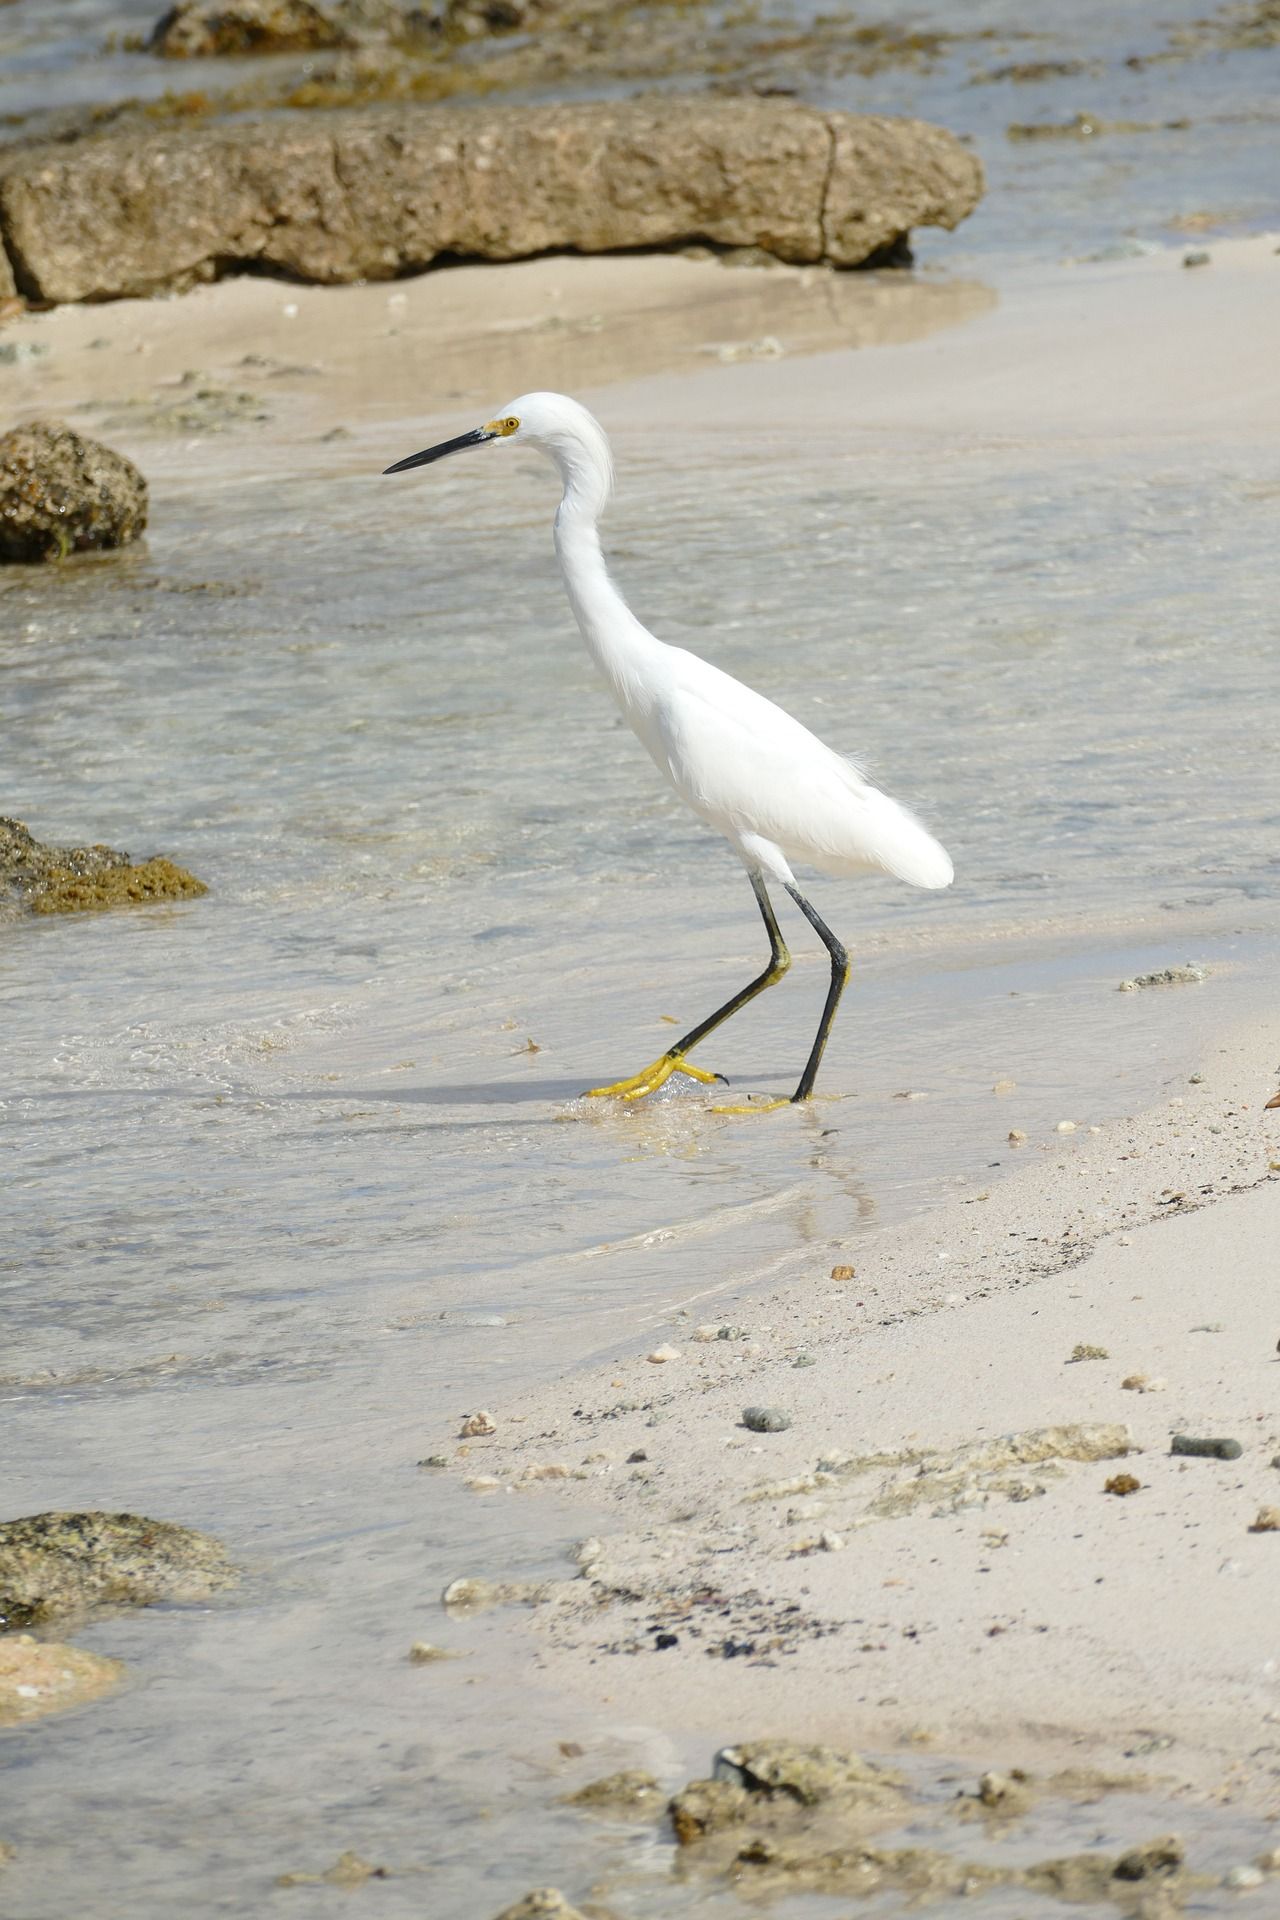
(1196, 1080)
(844, 1273)
(1269, 1861)
(1206, 1449)
(1004, 1086)
(475, 1424)
(804, 1360)
(1082, 1351)
(661, 1355)
(831, 1542)
(1268, 1520)
(482, 1483)
(1065, 1126)
(423, 1654)
(1123, 1483)
(765, 1419)
(435, 1460)
(1197, 258)
(1017, 1138)
(1240, 1879)
(704, 1335)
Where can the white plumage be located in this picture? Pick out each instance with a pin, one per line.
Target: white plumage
(776, 792)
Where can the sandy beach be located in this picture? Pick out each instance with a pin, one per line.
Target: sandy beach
(371, 1202)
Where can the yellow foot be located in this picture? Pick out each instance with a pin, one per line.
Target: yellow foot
(755, 1106)
(650, 1078)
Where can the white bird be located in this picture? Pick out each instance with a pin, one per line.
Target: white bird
(774, 790)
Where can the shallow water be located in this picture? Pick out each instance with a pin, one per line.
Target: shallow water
(288, 1190)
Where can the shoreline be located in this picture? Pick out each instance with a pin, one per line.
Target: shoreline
(1002, 1611)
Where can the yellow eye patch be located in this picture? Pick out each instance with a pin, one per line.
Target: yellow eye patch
(502, 427)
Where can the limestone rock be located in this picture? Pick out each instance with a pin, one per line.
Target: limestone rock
(630, 1795)
(46, 879)
(59, 1565)
(544, 1903)
(44, 1676)
(373, 193)
(61, 493)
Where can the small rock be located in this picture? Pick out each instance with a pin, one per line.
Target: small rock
(1268, 1520)
(348, 1870)
(1196, 1080)
(704, 1335)
(476, 1595)
(844, 1273)
(1241, 1879)
(1005, 1086)
(765, 1419)
(1146, 1862)
(423, 1654)
(482, 1483)
(435, 1460)
(1122, 1483)
(1082, 1351)
(1197, 258)
(1165, 977)
(831, 1542)
(476, 1424)
(1135, 1382)
(1205, 1449)
(1269, 1861)
(630, 1793)
(1017, 1138)
(544, 1903)
(205, 29)
(46, 879)
(804, 1360)
(61, 493)
(635, 1459)
(661, 1355)
(1065, 1126)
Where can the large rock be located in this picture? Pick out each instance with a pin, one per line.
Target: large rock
(370, 194)
(64, 1565)
(61, 494)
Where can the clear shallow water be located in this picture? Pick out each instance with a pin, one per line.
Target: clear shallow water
(272, 1153)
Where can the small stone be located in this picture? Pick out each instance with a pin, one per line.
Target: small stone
(435, 1460)
(844, 1273)
(765, 1419)
(1135, 1382)
(1241, 1879)
(1017, 1138)
(61, 493)
(630, 1793)
(1065, 1126)
(1269, 1861)
(348, 1870)
(476, 1424)
(1005, 1086)
(661, 1355)
(1268, 1520)
(587, 1551)
(1082, 1351)
(831, 1542)
(1122, 1483)
(1205, 1449)
(635, 1459)
(1196, 1080)
(544, 1903)
(1197, 258)
(45, 1676)
(804, 1360)
(482, 1483)
(705, 1335)
(423, 1654)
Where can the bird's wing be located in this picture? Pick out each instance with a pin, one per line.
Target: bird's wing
(748, 767)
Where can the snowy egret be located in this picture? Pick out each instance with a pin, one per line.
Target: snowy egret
(774, 790)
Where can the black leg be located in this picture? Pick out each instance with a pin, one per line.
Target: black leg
(839, 975)
(650, 1078)
(779, 961)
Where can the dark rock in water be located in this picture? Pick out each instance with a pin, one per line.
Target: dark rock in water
(59, 1565)
(197, 29)
(83, 879)
(368, 194)
(61, 494)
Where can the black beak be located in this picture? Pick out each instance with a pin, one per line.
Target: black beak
(476, 438)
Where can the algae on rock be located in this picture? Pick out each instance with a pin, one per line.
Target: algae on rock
(46, 879)
(56, 1566)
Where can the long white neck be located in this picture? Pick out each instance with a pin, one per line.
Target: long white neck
(616, 641)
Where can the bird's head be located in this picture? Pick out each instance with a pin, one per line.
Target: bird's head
(559, 426)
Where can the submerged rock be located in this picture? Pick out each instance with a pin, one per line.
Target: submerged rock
(63, 1565)
(45, 879)
(544, 1903)
(348, 1870)
(631, 1794)
(44, 1676)
(370, 194)
(810, 1776)
(61, 494)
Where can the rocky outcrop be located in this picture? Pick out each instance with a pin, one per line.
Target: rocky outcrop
(61, 493)
(43, 879)
(55, 1566)
(374, 193)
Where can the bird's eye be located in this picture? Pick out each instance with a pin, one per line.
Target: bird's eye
(510, 424)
